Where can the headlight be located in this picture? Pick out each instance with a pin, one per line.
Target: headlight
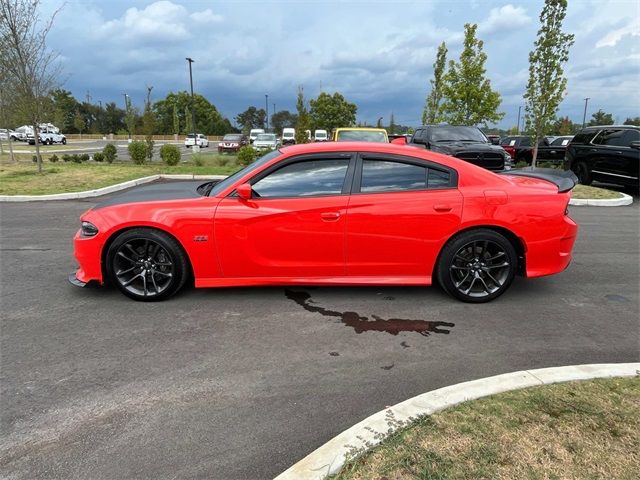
(88, 229)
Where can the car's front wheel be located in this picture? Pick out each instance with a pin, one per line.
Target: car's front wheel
(477, 266)
(147, 264)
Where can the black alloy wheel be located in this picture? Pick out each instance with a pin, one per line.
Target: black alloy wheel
(583, 173)
(477, 266)
(146, 264)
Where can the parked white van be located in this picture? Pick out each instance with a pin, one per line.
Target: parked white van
(320, 136)
(288, 136)
(253, 134)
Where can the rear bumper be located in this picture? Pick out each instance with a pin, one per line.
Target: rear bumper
(553, 255)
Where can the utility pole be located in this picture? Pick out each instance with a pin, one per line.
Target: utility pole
(584, 116)
(518, 123)
(266, 104)
(193, 106)
(126, 112)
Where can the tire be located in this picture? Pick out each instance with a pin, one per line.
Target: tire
(477, 266)
(64, 141)
(146, 264)
(583, 173)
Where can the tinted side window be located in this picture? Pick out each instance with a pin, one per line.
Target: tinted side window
(525, 142)
(302, 179)
(584, 136)
(389, 176)
(561, 142)
(618, 138)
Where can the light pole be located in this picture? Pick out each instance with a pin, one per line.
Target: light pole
(193, 109)
(266, 104)
(518, 124)
(126, 113)
(584, 115)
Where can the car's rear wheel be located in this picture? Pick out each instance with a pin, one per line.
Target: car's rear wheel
(477, 266)
(64, 141)
(583, 173)
(146, 264)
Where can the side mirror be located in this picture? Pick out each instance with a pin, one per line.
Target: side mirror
(635, 144)
(399, 141)
(494, 141)
(244, 191)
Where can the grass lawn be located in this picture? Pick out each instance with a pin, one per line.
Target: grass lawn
(23, 179)
(565, 431)
(583, 191)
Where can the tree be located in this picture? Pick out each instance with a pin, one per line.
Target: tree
(563, 126)
(113, 118)
(432, 110)
(78, 122)
(283, 119)
(130, 116)
(149, 124)
(547, 83)
(209, 120)
(632, 121)
(467, 95)
(332, 111)
(392, 125)
(29, 69)
(65, 107)
(251, 118)
(601, 118)
(304, 122)
(188, 120)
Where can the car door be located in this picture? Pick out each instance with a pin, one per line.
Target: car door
(615, 160)
(294, 224)
(401, 212)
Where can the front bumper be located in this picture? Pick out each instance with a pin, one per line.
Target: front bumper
(73, 280)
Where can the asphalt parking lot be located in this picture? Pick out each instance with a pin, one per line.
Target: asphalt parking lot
(243, 382)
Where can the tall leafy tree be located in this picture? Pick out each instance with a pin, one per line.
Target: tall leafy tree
(632, 121)
(208, 120)
(304, 122)
(547, 83)
(113, 118)
(563, 126)
(251, 118)
(392, 125)
(188, 120)
(601, 118)
(467, 95)
(27, 66)
(332, 111)
(432, 110)
(176, 120)
(283, 119)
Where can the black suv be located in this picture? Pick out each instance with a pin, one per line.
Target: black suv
(465, 143)
(609, 154)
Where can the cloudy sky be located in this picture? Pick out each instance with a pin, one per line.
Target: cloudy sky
(377, 54)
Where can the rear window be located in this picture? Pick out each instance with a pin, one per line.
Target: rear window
(361, 136)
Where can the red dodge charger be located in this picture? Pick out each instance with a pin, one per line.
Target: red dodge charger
(334, 214)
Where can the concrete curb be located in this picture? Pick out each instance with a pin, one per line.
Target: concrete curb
(603, 202)
(330, 457)
(105, 190)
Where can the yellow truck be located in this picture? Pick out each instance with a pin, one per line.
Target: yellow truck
(360, 134)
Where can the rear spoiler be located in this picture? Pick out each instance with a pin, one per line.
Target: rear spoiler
(565, 180)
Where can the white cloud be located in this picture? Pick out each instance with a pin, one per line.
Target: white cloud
(504, 18)
(613, 37)
(206, 16)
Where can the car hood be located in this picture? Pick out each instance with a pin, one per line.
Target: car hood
(155, 192)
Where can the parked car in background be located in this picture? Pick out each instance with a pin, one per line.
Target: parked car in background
(609, 154)
(464, 142)
(332, 213)
(20, 134)
(266, 141)
(5, 133)
(232, 142)
(519, 148)
(48, 134)
(198, 139)
(288, 136)
(360, 134)
(553, 150)
(494, 139)
(253, 134)
(320, 136)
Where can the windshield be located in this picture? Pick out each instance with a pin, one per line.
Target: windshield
(232, 138)
(218, 187)
(321, 134)
(191, 135)
(450, 133)
(361, 136)
(266, 137)
(287, 134)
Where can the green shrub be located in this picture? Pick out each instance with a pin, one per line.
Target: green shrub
(247, 155)
(110, 152)
(66, 157)
(170, 154)
(198, 160)
(149, 143)
(138, 152)
(222, 161)
(53, 158)
(84, 157)
(98, 157)
(75, 158)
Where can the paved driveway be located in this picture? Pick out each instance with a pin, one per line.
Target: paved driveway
(243, 382)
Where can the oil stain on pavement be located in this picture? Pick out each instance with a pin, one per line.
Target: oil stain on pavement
(361, 323)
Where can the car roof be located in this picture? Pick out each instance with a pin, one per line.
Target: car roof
(598, 127)
(369, 129)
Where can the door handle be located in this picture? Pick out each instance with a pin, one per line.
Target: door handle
(330, 216)
(443, 207)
